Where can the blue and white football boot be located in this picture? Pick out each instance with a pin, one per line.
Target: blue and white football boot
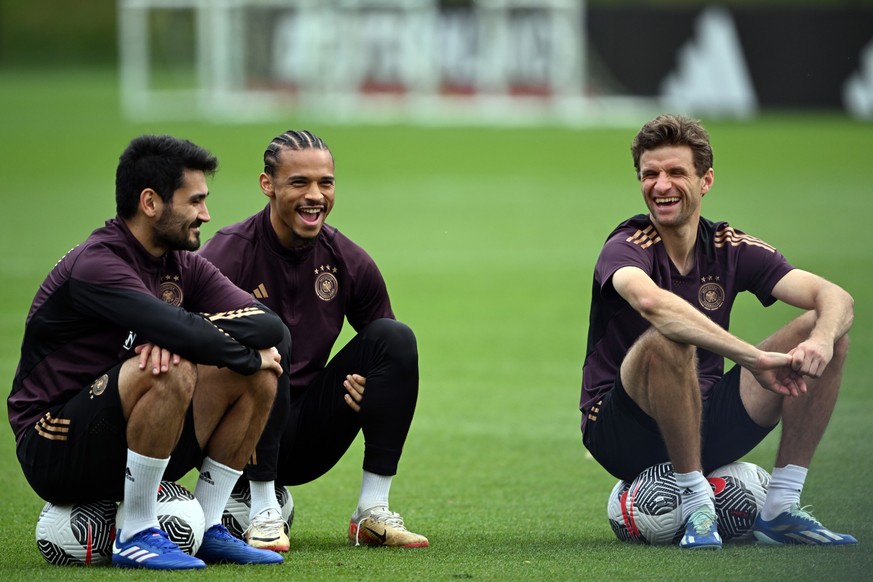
(701, 530)
(798, 526)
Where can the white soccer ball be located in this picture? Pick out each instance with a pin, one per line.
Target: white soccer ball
(653, 506)
(740, 490)
(615, 511)
(179, 514)
(77, 534)
(236, 513)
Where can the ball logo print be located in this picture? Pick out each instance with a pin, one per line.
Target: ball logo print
(648, 510)
(615, 511)
(652, 505)
(80, 534)
(740, 490)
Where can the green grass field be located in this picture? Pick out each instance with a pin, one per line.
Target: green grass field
(487, 238)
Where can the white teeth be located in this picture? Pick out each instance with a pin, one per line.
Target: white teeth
(666, 200)
(310, 210)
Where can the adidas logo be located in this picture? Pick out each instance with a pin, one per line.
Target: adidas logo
(260, 292)
(206, 478)
(858, 89)
(135, 553)
(128, 475)
(687, 491)
(711, 76)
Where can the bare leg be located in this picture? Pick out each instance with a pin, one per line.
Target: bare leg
(660, 375)
(155, 406)
(230, 412)
(804, 418)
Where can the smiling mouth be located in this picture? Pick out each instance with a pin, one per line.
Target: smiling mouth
(310, 215)
(666, 201)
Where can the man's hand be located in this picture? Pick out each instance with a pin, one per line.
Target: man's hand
(811, 357)
(354, 385)
(271, 360)
(159, 357)
(774, 371)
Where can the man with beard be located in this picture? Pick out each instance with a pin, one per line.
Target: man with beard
(140, 361)
(315, 278)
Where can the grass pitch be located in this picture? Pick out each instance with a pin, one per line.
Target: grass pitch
(487, 239)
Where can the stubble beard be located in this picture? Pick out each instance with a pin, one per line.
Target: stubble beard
(170, 233)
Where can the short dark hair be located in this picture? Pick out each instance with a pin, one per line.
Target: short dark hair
(674, 130)
(157, 162)
(291, 140)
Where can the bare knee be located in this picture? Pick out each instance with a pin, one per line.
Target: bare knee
(662, 356)
(656, 361)
(791, 335)
(178, 382)
(176, 385)
(263, 386)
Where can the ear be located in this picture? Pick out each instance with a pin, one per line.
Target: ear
(267, 185)
(708, 179)
(150, 202)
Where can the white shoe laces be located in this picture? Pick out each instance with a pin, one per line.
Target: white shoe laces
(268, 522)
(804, 512)
(380, 515)
(702, 520)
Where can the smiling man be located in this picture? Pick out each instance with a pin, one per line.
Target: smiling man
(140, 361)
(653, 383)
(315, 278)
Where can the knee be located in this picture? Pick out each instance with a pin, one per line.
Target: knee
(263, 387)
(398, 338)
(179, 381)
(183, 378)
(662, 355)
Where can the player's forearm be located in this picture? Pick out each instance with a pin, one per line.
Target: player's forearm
(835, 311)
(677, 320)
(188, 334)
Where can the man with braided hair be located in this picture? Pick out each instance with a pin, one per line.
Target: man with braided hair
(314, 277)
(140, 361)
(653, 383)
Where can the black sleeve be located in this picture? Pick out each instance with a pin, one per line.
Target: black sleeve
(229, 339)
(247, 325)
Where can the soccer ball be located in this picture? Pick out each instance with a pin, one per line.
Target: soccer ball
(78, 534)
(740, 489)
(236, 513)
(616, 513)
(179, 514)
(653, 507)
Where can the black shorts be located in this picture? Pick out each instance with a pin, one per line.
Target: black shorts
(625, 440)
(77, 452)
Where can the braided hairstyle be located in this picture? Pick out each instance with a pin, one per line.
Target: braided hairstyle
(291, 140)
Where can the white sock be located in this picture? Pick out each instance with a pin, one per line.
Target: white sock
(694, 491)
(784, 490)
(374, 491)
(141, 481)
(213, 489)
(263, 497)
